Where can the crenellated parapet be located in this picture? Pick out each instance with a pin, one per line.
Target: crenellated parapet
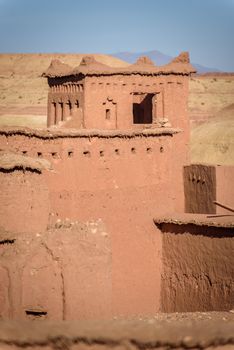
(96, 96)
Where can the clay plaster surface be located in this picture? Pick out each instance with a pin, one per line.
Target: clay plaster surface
(197, 263)
(64, 273)
(96, 178)
(173, 331)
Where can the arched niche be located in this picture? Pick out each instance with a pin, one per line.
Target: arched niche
(110, 113)
(42, 287)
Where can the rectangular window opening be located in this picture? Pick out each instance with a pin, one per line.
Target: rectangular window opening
(54, 154)
(149, 150)
(7, 241)
(142, 108)
(35, 314)
(108, 114)
(86, 153)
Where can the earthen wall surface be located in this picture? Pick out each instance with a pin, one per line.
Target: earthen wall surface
(121, 178)
(122, 181)
(117, 93)
(197, 268)
(200, 188)
(64, 273)
(225, 188)
(24, 201)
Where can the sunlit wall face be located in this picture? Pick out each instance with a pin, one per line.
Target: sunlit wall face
(204, 28)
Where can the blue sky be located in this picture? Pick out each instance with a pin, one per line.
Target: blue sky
(205, 28)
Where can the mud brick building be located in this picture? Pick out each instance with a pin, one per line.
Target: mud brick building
(78, 199)
(96, 96)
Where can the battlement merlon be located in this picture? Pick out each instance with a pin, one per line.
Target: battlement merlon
(144, 66)
(96, 96)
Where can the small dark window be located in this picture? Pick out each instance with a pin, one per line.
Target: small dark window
(86, 153)
(108, 114)
(161, 149)
(70, 154)
(33, 314)
(133, 150)
(54, 154)
(7, 241)
(69, 107)
(24, 152)
(101, 153)
(149, 150)
(117, 151)
(39, 154)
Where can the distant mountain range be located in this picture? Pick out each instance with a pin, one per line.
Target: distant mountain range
(159, 59)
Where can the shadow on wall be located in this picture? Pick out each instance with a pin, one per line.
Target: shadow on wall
(206, 184)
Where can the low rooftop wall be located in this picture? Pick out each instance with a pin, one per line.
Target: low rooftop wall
(197, 331)
(198, 262)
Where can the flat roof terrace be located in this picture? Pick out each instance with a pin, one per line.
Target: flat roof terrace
(210, 220)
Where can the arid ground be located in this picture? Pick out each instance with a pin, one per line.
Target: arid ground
(211, 110)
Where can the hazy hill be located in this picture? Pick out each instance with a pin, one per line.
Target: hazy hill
(210, 96)
(21, 84)
(35, 64)
(158, 58)
(213, 142)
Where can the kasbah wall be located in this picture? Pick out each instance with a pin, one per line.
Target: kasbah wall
(78, 239)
